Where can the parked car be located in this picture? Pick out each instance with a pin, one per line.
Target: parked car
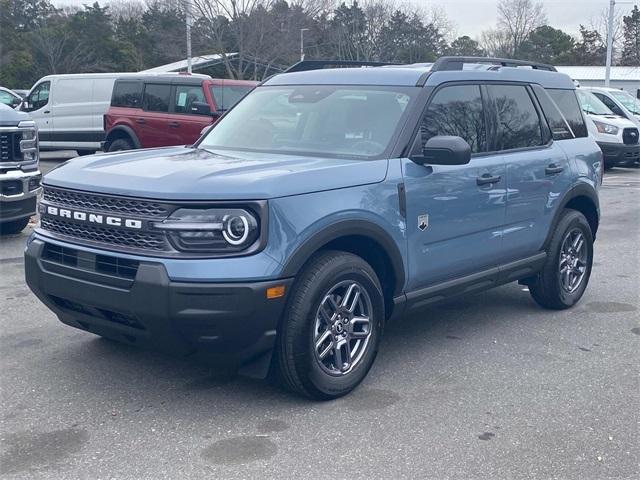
(69, 110)
(10, 98)
(619, 102)
(322, 206)
(167, 110)
(616, 136)
(19, 174)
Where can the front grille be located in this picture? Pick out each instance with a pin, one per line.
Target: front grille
(109, 236)
(10, 147)
(104, 203)
(630, 136)
(11, 187)
(106, 264)
(110, 315)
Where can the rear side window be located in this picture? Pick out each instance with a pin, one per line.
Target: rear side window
(126, 94)
(559, 127)
(457, 110)
(186, 96)
(568, 104)
(518, 120)
(156, 97)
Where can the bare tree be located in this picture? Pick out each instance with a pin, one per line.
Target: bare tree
(518, 18)
(600, 24)
(497, 43)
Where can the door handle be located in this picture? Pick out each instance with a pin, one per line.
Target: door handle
(552, 169)
(47, 111)
(141, 121)
(174, 124)
(487, 179)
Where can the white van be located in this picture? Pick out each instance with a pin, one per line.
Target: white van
(617, 137)
(69, 109)
(619, 102)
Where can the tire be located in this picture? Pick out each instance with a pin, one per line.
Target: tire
(551, 289)
(298, 364)
(120, 144)
(83, 153)
(14, 226)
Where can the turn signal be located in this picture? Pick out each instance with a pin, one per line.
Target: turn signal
(275, 292)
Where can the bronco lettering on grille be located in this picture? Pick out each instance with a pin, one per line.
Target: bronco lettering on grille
(94, 218)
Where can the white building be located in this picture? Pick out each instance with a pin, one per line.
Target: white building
(625, 78)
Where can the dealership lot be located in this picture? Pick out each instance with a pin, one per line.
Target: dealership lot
(486, 386)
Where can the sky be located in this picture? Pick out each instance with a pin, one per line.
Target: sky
(471, 17)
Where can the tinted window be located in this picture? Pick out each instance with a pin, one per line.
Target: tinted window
(457, 110)
(126, 94)
(186, 95)
(156, 97)
(557, 124)
(227, 96)
(518, 121)
(39, 96)
(568, 104)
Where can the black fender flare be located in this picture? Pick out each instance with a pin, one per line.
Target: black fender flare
(347, 228)
(578, 190)
(128, 130)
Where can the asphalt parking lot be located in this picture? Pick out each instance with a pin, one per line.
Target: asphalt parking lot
(488, 386)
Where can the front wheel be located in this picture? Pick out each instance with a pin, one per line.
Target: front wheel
(565, 275)
(330, 333)
(13, 227)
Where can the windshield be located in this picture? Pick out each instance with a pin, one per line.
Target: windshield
(630, 103)
(226, 96)
(328, 120)
(591, 105)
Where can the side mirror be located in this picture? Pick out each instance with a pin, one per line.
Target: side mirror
(443, 150)
(200, 108)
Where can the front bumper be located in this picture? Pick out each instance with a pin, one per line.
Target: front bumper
(136, 302)
(17, 199)
(620, 154)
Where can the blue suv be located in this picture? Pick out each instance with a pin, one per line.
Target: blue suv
(324, 204)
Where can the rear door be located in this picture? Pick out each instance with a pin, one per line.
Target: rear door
(185, 125)
(152, 123)
(537, 169)
(455, 214)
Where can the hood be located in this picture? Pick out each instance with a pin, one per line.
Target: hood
(181, 173)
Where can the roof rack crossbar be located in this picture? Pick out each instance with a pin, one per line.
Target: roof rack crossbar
(457, 63)
(306, 65)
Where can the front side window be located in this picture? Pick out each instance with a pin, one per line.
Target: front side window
(156, 97)
(185, 97)
(39, 97)
(457, 110)
(518, 120)
(630, 103)
(328, 120)
(226, 96)
(568, 104)
(126, 94)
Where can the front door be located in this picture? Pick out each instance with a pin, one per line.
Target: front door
(39, 108)
(184, 124)
(455, 214)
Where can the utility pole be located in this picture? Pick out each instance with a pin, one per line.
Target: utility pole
(607, 75)
(187, 16)
(302, 30)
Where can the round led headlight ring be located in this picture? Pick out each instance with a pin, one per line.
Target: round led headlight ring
(236, 229)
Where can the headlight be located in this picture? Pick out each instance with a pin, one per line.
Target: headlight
(213, 230)
(29, 142)
(606, 128)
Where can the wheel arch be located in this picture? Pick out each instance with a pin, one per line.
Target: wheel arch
(365, 239)
(584, 199)
(122, 131)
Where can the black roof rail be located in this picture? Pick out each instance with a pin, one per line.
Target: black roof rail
(306, 65)
(457, 63)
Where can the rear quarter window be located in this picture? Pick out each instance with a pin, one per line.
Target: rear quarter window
(559, 127)
(126, 94)
(567, 102)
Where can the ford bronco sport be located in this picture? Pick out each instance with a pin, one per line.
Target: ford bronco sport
(324, 204)
(163, 110)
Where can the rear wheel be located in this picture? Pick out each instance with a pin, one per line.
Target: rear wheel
(120, 144)
(13, 227)
(332, 327)
(565, 275)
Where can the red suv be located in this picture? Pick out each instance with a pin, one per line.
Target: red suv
(163, 110)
